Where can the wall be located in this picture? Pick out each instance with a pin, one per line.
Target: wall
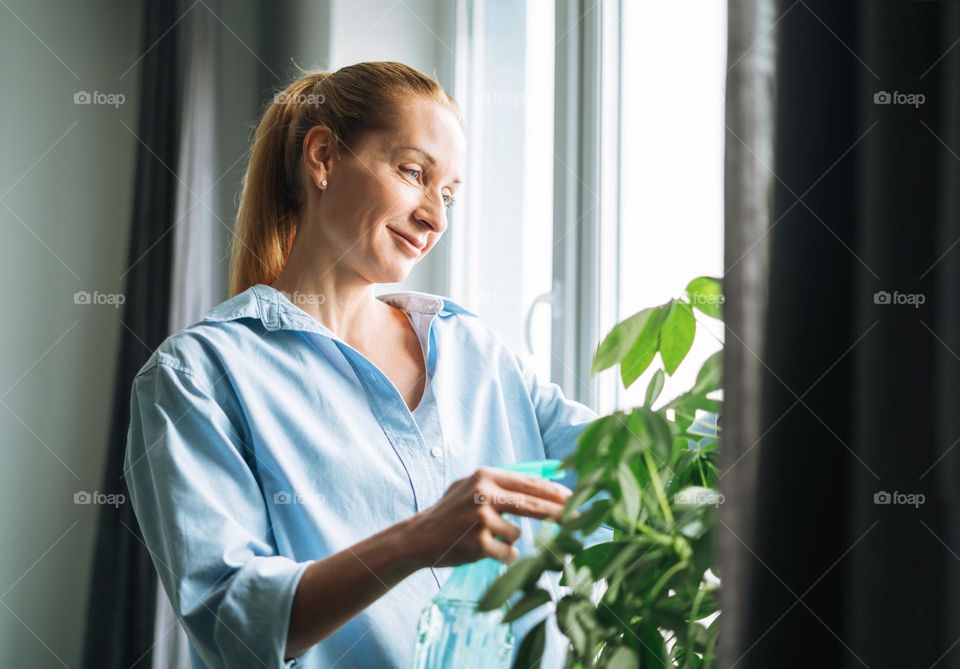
(66, 172)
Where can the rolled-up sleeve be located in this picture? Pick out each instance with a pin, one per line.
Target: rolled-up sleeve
(205, 522)
(561, 420)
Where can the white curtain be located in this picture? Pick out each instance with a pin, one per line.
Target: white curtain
(197, 276)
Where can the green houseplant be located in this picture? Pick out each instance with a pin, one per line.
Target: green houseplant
(649, 475)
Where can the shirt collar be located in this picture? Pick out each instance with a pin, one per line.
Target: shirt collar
(276, 312)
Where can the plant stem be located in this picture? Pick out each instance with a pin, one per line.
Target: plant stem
(662, 581)
(658, 486)
(659, 537)
(693, 617)
(703, 476)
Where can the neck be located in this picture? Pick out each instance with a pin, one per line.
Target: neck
(333, 294)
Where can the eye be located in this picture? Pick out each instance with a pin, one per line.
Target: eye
(448, 200)
(413, 172)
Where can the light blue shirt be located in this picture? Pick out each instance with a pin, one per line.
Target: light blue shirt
(260, 441)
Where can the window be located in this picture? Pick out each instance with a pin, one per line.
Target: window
(673, 70)
(501, 253)
(594, 183)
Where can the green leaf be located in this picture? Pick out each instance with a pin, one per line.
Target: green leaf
(596, 430)
(623, 658)
(596, 556)
(653, 430)
(569, 611)
(709, 376)
(567, 544)
(619, 340)
(652, 649)
(654, 388)
(676, 336)
(530, 651)
(616, 563)
(588, 521)
(629, 491)
(580, 496)
(518, 576)
(706, 295)
(640, 355)
(574, 576)
(704, 554)
(530, 601)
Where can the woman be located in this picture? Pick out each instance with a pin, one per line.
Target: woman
(308, 461)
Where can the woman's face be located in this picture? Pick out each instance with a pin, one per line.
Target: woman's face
(385, 204)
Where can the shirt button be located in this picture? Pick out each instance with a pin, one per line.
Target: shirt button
(436, 451)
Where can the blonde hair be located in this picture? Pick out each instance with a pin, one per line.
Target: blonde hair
(351, 101)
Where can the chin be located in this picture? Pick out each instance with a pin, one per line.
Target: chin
(392, 272)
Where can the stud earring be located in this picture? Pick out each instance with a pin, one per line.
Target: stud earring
(323, 184)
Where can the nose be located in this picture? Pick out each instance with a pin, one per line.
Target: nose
(432, 212)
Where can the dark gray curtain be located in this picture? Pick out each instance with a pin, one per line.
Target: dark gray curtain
(750, 116)
(844, 412)
(123, 589)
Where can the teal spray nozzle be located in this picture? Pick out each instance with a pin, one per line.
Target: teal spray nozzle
(547, 469)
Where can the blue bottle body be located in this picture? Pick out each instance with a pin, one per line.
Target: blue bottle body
(451, 632)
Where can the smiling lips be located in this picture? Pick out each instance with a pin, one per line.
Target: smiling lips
(411, 242)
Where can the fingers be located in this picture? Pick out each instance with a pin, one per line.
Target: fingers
(528, 485)
(518, 494)
(525, 505)
(503, 528)
(497, 549)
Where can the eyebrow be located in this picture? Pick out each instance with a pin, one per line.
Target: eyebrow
(430, 159)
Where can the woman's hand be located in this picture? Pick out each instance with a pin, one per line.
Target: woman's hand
(464, 525)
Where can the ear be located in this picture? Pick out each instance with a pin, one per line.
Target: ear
(319, 155)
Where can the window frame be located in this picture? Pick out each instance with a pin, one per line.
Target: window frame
(586, 194)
